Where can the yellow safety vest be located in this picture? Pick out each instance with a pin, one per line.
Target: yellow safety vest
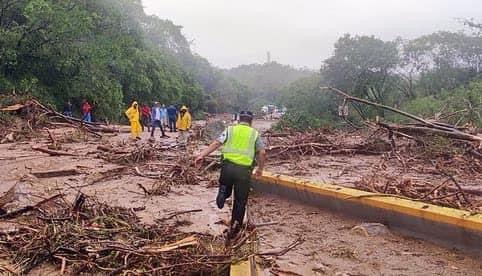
(240, 145)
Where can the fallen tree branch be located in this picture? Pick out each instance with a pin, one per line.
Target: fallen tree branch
(53, 152)
(436, 127)
(56, 173)
(283, 251)
(175, 214)
(28, 208)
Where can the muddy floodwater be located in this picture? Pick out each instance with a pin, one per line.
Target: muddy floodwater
(333, 245)
(330, 247)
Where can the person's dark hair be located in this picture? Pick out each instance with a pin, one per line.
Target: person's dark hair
(246, 117)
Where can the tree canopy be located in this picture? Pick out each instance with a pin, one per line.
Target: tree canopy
(428, 75)
(108, 52)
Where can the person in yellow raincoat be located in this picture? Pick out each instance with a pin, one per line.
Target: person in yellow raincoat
(183, 124)
(133, 115)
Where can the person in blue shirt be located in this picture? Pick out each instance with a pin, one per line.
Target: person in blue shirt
(172, 116)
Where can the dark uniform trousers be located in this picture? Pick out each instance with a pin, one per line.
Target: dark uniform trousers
(239, 178)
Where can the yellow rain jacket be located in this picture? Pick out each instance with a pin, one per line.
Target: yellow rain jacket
(184, 121)
(133, 115)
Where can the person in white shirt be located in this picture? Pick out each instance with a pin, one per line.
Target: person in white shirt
(157, 119)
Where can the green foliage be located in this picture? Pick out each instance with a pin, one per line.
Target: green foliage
(439, 61)
(362, 65)
(434, 76)
(438, 146)
(459, 106)
(266, 81)
(308, 107)
(108, 52)
(299, 120)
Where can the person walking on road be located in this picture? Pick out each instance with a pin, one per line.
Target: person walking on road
(133, 115)
(183, 124)
(240, 145)
(171, 116)
(145, 117)
(67, 109)
(86, 109)
(164, 120)
(157, 120)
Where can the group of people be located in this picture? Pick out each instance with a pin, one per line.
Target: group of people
(241, 145)
(85, 110)
(158, 116)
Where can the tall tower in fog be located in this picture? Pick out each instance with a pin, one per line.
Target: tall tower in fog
(268, 57)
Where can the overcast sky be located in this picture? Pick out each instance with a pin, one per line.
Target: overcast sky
(302, 32)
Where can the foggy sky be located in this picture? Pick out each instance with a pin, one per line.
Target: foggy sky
(302, 32)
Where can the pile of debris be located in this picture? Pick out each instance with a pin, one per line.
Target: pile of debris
(176, 173)
(448, 192)
(30, 116)
(317, 143)
(167, 164)
(91, 237)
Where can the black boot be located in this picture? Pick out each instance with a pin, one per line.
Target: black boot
(234, 230)
(221, 198)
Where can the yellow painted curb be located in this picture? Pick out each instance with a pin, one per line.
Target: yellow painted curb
(454, 217)
(244, 268)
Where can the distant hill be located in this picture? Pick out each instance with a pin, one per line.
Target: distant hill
(266, 81)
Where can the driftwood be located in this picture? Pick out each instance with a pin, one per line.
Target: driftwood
(56, 173)
(283, 251)
(407, 129)
(28, 208)
(53, 152)
(175, 214)
(153, 250)
(103, 240)
(91, 127)
(8, 196)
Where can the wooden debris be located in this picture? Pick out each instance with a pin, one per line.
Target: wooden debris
(175, 214)
(283, 251)
(53, 152)
(28, 208)
(99, 239)
(56, 173)
(9, 138)
(8, 196)
(186, 242)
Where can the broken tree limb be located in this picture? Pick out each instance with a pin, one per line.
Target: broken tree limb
(175, 214)
(53, 152)
(8, 196)
(427, 130)
(146, 191)
(186, 242)
(28, 208)
(56, 173)
(283, 251)
(148, 175)
(453, 131)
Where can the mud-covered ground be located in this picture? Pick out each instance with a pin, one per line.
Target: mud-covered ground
(432, 173)
(330, 245)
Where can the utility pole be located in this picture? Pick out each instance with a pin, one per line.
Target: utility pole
(268, 57)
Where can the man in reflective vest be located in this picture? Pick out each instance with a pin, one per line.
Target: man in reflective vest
(240, 145)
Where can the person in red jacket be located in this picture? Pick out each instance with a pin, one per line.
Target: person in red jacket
(145, 117)
(86, 109)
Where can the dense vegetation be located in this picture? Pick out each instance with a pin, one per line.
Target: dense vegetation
(109, 52)
(436, 76)
(266, 81)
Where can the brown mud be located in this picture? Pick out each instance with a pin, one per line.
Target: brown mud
(329, 247)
